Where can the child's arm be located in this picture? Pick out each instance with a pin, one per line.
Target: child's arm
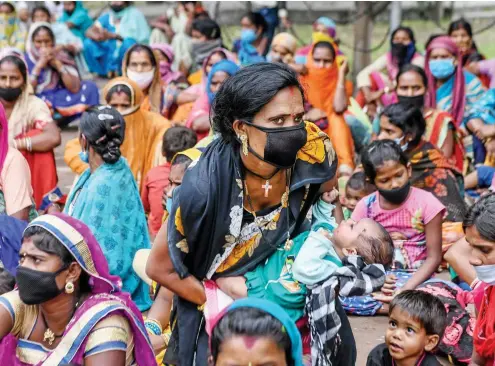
(235, 287)
(310, 267)
(433, 231)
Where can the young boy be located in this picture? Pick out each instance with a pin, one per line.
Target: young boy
(175, 140)
(357, 187)
(416, 324)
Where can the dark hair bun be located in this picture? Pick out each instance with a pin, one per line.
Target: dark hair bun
(104, 129)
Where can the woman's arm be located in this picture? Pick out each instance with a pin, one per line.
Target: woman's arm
(201, 123)
(433, 231)
(70, 81)
(448, 145)
(47, 140)
(340, 97)
(6, 323)
(458, 258)
(160, 310)
(114, 358)
(160, 269)
(185, 97)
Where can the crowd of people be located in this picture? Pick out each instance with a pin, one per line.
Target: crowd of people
(232, 204)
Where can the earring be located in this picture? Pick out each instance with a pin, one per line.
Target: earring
(69, 287)
(244, 140)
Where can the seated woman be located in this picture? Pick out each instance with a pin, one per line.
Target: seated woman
(402, 52)
(76, 18)
(451, 89)
(64, 38)
(77, 311)
(164, 55)
(12, 33)
(462, 34)
(31, 129)
(441, 131)
(431, 171)
(54, 76)
(253, 45)
(199, 119)
(283, 49)
(106, 198)
(16, 194)
(327, 100)
(324, 29)
(142, 146)
(111, 35)
(206, 37)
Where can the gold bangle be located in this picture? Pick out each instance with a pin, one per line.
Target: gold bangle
(202, 307)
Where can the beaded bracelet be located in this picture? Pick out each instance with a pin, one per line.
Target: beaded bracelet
(153, 326)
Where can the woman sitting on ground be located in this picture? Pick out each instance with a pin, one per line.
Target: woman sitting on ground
(54, 75)
(106, 198)
(12, 32)
(76, 312)
(142, 146)
(31, 129)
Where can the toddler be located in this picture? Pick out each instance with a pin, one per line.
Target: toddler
(357, 187)
(416, 324)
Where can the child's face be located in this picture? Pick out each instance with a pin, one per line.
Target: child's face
(392, 175)
(243, 350)
(346, 235)
(352, 197)
(406, 338)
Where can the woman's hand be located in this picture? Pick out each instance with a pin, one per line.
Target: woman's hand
(315, 114)
(158, 343)
(330, 197)
(389, 286)
(344, 68)
(485, 131)
(45, 57)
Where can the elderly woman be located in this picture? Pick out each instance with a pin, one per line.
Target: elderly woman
(142, 146)
(269, 166)
(76, 313)
(106, 198)
(30, 129)
(54, 75)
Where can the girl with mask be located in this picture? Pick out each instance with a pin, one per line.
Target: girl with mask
(106, 198)
(430, 170)
(12, 33)
(199, 118)
(327, 95)
(253, 45)
(263, 160)
(412, 216)
(441, 131)
(206, 36)
(54, 75)
(67, 306)
(142, 146)
(112, 34)
(31, 129)
(376, 86)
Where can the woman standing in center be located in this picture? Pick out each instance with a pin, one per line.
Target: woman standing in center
(106, 198)
(248, 195)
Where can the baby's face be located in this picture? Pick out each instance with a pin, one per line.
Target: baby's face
(352, 197)
(346, 236)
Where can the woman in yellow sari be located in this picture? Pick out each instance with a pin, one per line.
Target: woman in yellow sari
(144, 131)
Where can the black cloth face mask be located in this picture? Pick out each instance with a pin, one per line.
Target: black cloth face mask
(10, 94)
(282, 144)
(397, 195)
(37, 287)
(417, 101)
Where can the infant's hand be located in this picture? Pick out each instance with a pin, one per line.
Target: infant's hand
(330, 197)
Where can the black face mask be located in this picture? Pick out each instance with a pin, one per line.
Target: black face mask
(282, 144)
(417, 101)
(397, 195)
(37, 287)
(117, 8)
(10, 94)
(399, 51)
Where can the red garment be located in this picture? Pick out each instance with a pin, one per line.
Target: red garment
(153, 187)
(484, 332)
(43, 170)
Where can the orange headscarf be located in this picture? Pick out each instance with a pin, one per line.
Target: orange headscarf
(320, 85)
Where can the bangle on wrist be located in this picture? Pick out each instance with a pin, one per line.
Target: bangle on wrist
(153, 326)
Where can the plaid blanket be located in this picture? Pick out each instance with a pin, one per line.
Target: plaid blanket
(353, 279)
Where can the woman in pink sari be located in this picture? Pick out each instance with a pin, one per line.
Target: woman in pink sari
(76, 313)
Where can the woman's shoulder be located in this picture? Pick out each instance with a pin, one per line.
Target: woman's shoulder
(112, 333)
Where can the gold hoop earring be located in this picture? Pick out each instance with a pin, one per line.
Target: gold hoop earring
(245, 149)
(69, 287)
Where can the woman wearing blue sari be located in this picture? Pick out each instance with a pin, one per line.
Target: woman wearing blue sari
(112, 35)
(76, 18)
(106, 198)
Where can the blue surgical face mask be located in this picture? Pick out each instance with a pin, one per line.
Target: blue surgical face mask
(399, 142)
(486, 273)
(442, 69)
(169, 205)
(84, 156)
(248, 35)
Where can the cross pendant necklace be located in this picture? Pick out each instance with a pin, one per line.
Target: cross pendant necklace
(267, 186)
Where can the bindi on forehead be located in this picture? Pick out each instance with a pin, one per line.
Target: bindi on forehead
(249, 341)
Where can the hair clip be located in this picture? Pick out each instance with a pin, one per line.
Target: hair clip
(103, 117)
(101, 139)
(102, 107)
(114, 127)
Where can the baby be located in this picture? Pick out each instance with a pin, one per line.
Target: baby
(416, 324)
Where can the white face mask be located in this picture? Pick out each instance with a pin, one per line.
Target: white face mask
(486, 273)
(142, 79)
